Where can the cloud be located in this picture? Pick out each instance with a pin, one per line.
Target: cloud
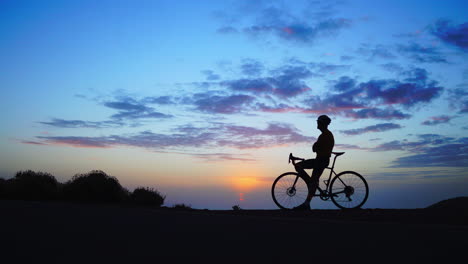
(210, 75)
(251, 67)
(227, 30)
(311, 69)
(138, 115)
(287, 81)
(274, 135)
(447, 155)
(130, 108)
(348, 146)
(259, 19)
(334, 103)
(346, 58)
(436, 120)
(79, 142)
(455, 35)
(375, 52)
(298, 31)
(413, 90)
(253, 92)
(344, 83)
(415, 174)
(389, 146)
(145, 139)
(307, 33)
(430, 150)
(392, 67)
(405, 145)
(458, 99)
(214, 157)
(374, 128)
(128, 104)
(422, 54)
(349, 98)
(376, 113)
(277, 108)
(162, 100)
(221, 104)
(56, 122)
(327, 68)
(29, 142)
(129, 112)
(374, 99)
(186, 137)
(423, 141)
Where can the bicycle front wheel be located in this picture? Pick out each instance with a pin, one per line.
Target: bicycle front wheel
(289, 190)
(349, 190)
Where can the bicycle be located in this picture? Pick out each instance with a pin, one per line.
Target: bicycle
(347, 190)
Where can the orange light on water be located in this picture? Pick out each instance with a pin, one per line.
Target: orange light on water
(241, 197)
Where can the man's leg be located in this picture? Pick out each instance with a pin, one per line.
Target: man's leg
(314, 180)
(300, 168)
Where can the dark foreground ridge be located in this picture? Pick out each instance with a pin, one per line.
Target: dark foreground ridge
(66, 232)
(457, 203)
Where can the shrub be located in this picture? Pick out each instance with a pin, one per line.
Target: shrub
(31, 185)
(182, 206)
(147, 196)
(94, 186)
(236, 207)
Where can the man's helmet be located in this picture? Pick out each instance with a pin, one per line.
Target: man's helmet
(324, 119)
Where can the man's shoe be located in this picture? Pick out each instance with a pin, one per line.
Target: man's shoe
(303, 207)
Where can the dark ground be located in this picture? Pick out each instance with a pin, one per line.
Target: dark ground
(58, 232)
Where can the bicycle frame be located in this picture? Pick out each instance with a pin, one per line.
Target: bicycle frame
(327, 182)
(327, 192)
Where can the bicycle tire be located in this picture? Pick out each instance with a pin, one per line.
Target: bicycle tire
(283, 194)
(352, 197)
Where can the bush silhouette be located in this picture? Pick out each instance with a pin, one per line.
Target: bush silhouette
(147, 196)
(30, 185)
(95, 186)
(182, 206)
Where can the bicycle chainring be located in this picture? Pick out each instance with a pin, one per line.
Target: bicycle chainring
(324, 196)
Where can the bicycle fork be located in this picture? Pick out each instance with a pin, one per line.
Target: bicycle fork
(292, 189)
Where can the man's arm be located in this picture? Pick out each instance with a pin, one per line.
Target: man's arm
(316, 145)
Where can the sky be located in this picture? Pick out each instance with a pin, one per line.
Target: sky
(204, 100)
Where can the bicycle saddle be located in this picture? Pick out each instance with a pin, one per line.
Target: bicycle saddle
(338, 153)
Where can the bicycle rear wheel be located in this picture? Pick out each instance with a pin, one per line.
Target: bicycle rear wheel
(349, 190)
(289, 190)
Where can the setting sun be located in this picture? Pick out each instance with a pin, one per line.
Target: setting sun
(244, 183)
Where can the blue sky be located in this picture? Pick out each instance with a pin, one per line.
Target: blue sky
(204, 100)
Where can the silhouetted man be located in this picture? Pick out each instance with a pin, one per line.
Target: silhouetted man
(323, 147)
